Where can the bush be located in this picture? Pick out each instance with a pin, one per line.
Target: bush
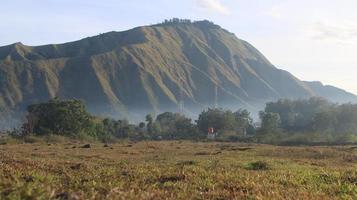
(258, 165)
(32, 139)
(55, 138)
(228, 136)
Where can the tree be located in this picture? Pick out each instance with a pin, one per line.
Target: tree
(243, 121)
(167, 121)
(175, 125)
(149, 123)
(325, 121)
(217, 118)
(185, 129)
(346, 116)
(142, 125)
(297, 115)
(270, 122)
(67, 117)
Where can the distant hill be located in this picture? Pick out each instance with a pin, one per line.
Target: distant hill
(149, 69)
(332, 93)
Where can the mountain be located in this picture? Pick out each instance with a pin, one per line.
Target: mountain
(332, 93)
(149, 69)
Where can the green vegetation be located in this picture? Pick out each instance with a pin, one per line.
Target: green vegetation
(313, 121)
(58, 117)
(310, 121)
(175, 126)
(298, 115)
(70, 118)
(229, 125)
(64, 118)
(176, 170)
(258, 165)
(270, 122)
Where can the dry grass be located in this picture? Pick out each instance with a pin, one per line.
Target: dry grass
(176, 170)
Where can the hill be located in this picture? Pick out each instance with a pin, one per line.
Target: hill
(149, 69)
(332, 93)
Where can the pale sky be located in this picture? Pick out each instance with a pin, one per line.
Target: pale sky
(312, 39)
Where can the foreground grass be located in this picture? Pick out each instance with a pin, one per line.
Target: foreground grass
(176, 170)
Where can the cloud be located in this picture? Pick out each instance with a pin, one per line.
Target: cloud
(275, 12)
(338, 32)
(213, 6)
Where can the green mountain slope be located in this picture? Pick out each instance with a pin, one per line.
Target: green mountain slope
(146, 69)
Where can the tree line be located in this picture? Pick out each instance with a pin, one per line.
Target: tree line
(314, 114)
(279, 121)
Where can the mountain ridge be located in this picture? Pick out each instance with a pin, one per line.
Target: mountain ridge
(150, 69)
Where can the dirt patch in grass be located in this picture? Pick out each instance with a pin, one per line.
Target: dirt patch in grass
(353, 148)
(186, 163)
(217, 152)
(76, 166)
(240, 149)
(172, 178)
(86, 146)
(202, 153)
(233, 148)
(66, 196)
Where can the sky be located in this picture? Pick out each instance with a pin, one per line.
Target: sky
(312, 39)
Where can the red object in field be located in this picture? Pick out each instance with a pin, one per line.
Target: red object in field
(210, 130)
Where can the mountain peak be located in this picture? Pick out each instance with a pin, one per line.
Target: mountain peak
(16, 45)
(14, 51)
(177, 21)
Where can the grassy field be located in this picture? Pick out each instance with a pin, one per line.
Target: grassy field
(176, 170)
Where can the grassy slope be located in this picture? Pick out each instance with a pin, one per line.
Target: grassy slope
(176, 170)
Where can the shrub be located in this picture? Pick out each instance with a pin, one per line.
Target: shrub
(258, 165)
(32, 139)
